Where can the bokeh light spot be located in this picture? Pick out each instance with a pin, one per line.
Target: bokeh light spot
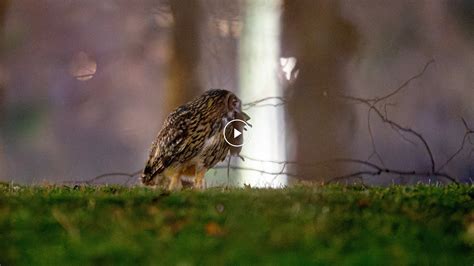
(82, 67)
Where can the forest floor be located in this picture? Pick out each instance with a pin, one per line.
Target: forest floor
(302, 225)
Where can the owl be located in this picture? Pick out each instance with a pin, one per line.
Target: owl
(191, 140)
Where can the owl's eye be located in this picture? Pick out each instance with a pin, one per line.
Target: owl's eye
(233, 103)
(236, 104)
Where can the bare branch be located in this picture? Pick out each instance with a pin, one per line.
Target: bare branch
(392, 171)
(398, 127)
(403, 137)
(465, 138)
(315, 164)
(376, 100)
(260, 102)
(371, 103)
(234, 167)
(372, 140)
(377, 170)
(401, 130)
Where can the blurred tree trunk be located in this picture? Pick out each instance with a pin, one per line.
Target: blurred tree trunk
(322, 41)
(3, 13)
(4, 4)
(183, 81)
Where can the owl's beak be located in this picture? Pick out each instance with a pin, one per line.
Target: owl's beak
(246, 117)
(242, 115)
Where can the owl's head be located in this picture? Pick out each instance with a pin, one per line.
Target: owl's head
(234, 108)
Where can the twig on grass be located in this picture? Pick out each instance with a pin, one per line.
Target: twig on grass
(102, 176)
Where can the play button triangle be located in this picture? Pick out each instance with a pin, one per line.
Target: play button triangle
(236, 133)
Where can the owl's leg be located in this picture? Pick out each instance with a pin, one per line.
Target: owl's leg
(175, 183)
(199, 181)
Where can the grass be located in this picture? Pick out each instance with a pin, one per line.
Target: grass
(302, 225)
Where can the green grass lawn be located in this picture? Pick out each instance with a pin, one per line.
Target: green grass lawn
(302, 225)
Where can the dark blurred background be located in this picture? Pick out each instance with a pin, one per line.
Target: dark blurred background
(85, 84)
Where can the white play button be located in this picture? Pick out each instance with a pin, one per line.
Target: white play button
(232, 135)
(236, 133)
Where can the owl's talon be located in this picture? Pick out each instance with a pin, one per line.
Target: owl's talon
(175, 187)
(200, 186)
(175, 184)
(199, 181)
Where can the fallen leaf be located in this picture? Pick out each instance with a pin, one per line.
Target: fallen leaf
(214, 229)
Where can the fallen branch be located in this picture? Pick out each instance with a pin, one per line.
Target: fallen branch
(102, 176)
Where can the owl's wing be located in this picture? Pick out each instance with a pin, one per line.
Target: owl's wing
(180, 139)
